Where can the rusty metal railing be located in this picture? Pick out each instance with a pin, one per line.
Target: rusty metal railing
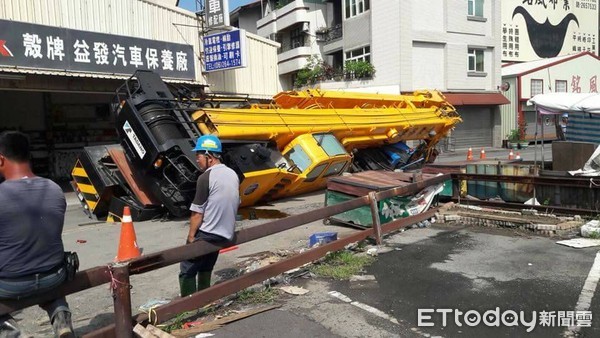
(118, 274)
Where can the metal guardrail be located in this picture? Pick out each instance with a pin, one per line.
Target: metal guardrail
(118, 274)
(576, 182)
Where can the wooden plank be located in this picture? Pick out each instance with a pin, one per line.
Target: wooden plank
(221, 321)
(133, 180)
(348, 189)
(141, 331)
(361, 179)
(195, 330)
(360, 184)
(365, 180)
(158, 332)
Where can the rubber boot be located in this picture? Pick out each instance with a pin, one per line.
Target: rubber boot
(187, 286)
(204, 280)
(61, 323)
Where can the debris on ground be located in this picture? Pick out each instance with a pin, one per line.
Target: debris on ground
(321, 238)
(591, 229)
(188, 325)
(153, 303)
(580, 243)
(363, 282)
(262, 259)
(257, 294)
(294, 290)
(526, 219)
(150, 331)
(217, 323)
(352, 246)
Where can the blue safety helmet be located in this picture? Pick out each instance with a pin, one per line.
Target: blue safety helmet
(209, 143)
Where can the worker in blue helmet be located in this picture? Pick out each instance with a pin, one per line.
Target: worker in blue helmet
(213, 215)
(208, 145)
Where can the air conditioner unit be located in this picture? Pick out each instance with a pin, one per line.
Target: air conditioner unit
(306, 26)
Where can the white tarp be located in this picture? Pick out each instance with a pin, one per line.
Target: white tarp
(591, 167)
(557, 103)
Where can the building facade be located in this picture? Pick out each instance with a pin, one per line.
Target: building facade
(449, 45)
(293, 24)
(577, 73)
(61, 62)
(547, 46)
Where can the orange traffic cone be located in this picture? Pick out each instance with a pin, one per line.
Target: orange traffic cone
(511, 155)
(482, 154)
(518, 157)
(128, 247)
(470, 155)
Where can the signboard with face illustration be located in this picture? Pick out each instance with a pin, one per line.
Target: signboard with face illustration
(537, 29)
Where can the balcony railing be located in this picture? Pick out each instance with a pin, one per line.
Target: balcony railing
(330, 34)
(335, 32)
(294, 45)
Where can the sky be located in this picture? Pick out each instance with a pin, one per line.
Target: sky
(191, 4)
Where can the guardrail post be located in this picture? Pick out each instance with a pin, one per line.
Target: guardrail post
(375, 215)
(122, 299)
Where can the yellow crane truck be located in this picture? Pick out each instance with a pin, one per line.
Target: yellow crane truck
(290, 145)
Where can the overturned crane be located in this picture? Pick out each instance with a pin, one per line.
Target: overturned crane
(288, 146)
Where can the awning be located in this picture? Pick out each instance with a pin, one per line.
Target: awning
(476, 99)
(558, 103)
(84, 75)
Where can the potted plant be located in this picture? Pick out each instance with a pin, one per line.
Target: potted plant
(314, 71)
(513, 139)
(358, 70)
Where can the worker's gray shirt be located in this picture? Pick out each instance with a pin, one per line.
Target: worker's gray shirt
(32, 214)
(217, 198)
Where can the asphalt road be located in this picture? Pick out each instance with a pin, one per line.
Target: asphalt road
(476, 269)
(446, 267)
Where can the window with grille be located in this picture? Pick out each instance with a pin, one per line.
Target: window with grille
(537, 87)
(560, 86)
(296, 37)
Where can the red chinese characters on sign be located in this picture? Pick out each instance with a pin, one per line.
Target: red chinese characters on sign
(575, 84)
(593, 84)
